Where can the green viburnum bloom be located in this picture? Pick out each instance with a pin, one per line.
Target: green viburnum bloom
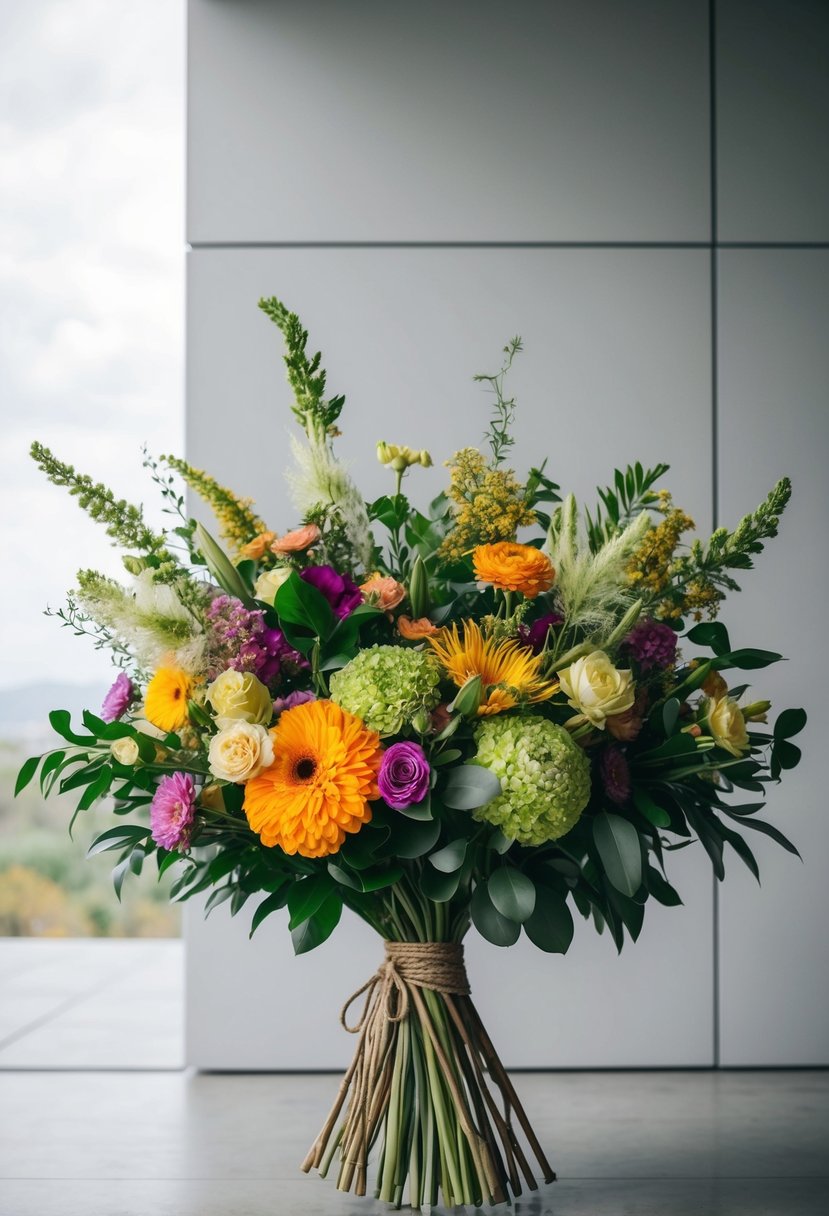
(545, 778)
(386, 686)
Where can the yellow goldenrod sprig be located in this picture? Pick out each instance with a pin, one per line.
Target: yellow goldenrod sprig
(238, 523)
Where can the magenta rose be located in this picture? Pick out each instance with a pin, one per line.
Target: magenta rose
(404, 775)
(338, 589)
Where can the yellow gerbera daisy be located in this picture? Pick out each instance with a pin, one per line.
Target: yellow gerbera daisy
(165, 701)
(320, 783)
(510, 673)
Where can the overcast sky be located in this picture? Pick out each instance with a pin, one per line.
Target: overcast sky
(91, 290)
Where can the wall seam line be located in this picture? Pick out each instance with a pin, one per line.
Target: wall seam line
(715, 437)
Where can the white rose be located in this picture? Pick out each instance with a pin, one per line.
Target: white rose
(125, 750)
(240, 752)
(269, 582)
(239, 696)
(596, 688)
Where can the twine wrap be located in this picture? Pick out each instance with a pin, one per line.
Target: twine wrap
(435, 965)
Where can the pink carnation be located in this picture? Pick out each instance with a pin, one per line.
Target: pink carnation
(118, 699)
(172, 811)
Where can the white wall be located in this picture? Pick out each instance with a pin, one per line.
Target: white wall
(420, 182)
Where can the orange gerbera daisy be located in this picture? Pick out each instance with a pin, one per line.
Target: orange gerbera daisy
(510, 673)
(165, 701)
(320, 784)
(512, 567)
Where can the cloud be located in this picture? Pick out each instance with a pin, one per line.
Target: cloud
(91, 284)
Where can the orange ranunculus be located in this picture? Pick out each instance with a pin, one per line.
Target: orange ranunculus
(297, 541)
(383, 592)
(258, 547)
(413, 631)
(512, 567)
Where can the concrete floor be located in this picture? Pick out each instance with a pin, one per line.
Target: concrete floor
(97, 1118)
(185, 1144)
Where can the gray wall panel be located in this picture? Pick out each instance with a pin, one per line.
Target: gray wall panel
(617, 366)
(373, 121)
(774, 420)
(773, 120)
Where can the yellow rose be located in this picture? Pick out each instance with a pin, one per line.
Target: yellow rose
(125, 751)
(269, 583)
(237, 696)
(727, 725)
(240, 751)
(596, 688)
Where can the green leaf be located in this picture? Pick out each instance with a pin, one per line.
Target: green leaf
(651, 810)
(451, 857)
(377, 880)
(789, 723)
(299, 603)
(27, 771)
(786, 755)
(51, 764)
(217, 897)
(117, 838)
(710, 633)
(317, 928)
(768, 829)
(451, 753)
(488, 920)
(746, 660)
(60, 721)
(412, 838)
(306, 896)
(273, 903)
(550, 927)
(621, 855)
(469, 786)
(344, 877)
(437, 885)
(670, 715)
(417, 810)
(221, 567)
(512, 893)
(499, 842)
(119, 874)
(660, 889)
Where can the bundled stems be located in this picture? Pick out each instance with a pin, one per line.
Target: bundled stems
(428, 1086)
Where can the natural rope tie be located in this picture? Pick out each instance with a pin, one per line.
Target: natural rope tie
(435, 965)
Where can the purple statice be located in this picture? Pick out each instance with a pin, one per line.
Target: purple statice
(652, 644)
(343, 595)
(404, 775)
(615, 775)
(535, 635)
(293, 698)
(240, 639)
(172, 811)
(118, 699)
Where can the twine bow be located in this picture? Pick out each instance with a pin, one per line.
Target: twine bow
(435, 965)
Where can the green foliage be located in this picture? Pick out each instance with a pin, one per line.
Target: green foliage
(498, 434)
(632, 492)
(315, 414)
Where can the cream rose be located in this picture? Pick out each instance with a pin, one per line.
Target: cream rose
(240, 752)
(596, 688)
(125, 750)
(727, 725)
(269, 582)
(238, 696)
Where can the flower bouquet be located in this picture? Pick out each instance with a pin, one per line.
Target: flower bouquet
(419, 717)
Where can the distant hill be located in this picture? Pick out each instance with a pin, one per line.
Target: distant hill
(24, 710)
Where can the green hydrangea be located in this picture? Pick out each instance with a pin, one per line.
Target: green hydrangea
(386, 686)
(545, 777)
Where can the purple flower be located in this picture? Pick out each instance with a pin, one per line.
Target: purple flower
(651, 644)
(293, 698)
(615, 775)
(535, 635)
(343, 595)
(172, 810)
(118, 699)
(238, 638)
(404, 775)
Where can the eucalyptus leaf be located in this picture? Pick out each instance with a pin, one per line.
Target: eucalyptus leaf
(469, 786)
(550, 927)
(618, 844)
(451, 857)
(512, 893)
(488, 920)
